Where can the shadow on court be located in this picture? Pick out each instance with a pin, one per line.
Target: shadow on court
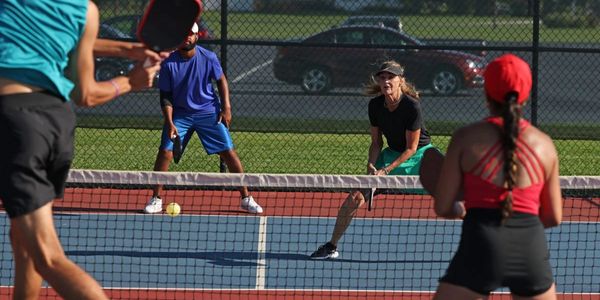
(235, 259)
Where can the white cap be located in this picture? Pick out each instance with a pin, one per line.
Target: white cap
(195, 28)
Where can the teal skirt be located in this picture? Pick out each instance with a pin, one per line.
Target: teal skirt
(409, 167)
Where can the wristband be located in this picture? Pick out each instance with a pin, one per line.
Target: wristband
(116, 86)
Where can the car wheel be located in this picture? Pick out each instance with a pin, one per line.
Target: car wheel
(445, 82)
(106, 71)
(316, 80)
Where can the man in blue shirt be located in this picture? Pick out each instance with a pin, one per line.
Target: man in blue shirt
(189, 104)
(37, 128)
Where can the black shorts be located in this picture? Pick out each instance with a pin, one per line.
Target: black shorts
(490, 255)
(36, 132)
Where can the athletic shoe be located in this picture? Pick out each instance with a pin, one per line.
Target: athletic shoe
(325, 251)
(249, 205)
(154, 205)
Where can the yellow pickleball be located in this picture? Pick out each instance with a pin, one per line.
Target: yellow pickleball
(173, 209)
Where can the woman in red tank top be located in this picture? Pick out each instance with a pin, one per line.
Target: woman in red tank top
(508, 172)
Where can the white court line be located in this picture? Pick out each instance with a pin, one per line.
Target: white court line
(262, 248)
(253, 70)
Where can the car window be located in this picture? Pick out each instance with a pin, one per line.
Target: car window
(390, 22)
(366, 22)
(323, 38)
(386, 38)
(106, 31)
(349, 37)
(125, 24)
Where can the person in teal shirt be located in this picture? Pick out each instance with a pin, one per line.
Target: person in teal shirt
(46, 60)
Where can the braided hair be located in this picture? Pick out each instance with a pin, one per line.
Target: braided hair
(511, 115)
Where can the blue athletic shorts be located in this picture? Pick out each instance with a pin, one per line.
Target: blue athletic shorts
(213, 135)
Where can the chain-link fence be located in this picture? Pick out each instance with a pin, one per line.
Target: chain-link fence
(296, 69)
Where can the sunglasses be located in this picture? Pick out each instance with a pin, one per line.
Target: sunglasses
(386, 76)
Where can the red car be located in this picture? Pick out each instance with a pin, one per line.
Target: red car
(345, 56)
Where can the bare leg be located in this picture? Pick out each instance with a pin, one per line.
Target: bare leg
(234, 165)
(27, 280)
(550, 294)
(163, 160)
(35, 234)
(347, 211)
(451, 291)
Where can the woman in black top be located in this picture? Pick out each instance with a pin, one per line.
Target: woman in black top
(395, 113)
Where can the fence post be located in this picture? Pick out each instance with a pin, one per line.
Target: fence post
(535, 61)
(223, 42)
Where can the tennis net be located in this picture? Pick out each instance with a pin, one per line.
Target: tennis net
(398, 250)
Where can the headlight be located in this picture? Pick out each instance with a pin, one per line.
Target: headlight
(130, 66)
(475, 64)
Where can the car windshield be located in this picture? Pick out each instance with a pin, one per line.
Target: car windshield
(383, 21)
(107, 31)
(415, 40)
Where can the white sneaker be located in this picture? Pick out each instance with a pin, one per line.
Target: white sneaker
(153, 206)
(249, 205)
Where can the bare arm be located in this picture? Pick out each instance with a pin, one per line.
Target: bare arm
(134, 51)
(551, 198)
(167, 112)
(450, 184)
(225, 115)
(374, 149)
(87, 91)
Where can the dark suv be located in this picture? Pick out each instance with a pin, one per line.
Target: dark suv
(346, 56)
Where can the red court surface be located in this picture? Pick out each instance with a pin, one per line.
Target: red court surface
(297, 204)
(48, 293)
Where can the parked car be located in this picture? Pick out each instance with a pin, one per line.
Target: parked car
(109, 32)
(460, 42)
(328, 64)
(111, 67)
(394, 22)
(125, 28)
(121, 27)
(387, 21)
